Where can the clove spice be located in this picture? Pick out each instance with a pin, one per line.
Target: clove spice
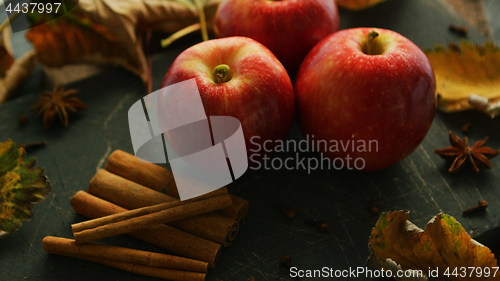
(466, 127)
(32, 145)
(286, 262)
(480, 207)
(373, 208)
(322, 226)
(22, 120)
(460, 30)
(289, 212)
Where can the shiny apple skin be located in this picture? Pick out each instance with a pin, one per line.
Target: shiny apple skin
(260, 93)
(289, 28)
(390, 98)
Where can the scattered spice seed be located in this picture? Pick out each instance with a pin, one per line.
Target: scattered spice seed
(460, 30)
(286, 262)
(22, 120)
(251, 279)
(322, 226)
(480, 207)
(373, 208)
(460, 152)
(289, 212)
(466, 127)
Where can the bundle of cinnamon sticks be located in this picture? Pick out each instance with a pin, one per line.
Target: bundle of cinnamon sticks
(141, 199)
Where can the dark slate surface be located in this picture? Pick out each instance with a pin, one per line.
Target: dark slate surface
(492, 8)
(419, 184)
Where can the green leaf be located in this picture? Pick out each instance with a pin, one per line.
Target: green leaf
(21, 186)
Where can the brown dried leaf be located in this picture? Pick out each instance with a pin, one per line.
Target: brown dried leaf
(396, 243)
(465, 70)
(110, 31)
(17, 74)
(356, 5)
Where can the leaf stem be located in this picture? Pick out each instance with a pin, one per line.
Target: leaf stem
(203, 19)
(179, 34)
(7, 21)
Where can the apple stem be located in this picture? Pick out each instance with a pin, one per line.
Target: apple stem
(222, 73)
(371, 36)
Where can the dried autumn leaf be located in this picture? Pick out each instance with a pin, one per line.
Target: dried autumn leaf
(465, 70)
(444, 245)
(21, 186)
(109, 31)
(356, 5)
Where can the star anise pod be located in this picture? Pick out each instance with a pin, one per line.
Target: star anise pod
(58, 101)
(460, 152)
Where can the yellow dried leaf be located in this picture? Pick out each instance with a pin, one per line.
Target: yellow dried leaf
(443, 245)
(465, 70)
(356, 5)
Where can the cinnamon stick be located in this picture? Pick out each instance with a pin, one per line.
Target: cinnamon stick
(131, 195)
(146, 217)
(222, 230)
(62, 245)
(171, 239)
(237, 211)
(148, 174)
(161, 179)
(78, 227)
(169, 274)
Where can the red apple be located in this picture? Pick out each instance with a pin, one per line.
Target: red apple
(252, 85)
(289, 28)
(354, 89)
